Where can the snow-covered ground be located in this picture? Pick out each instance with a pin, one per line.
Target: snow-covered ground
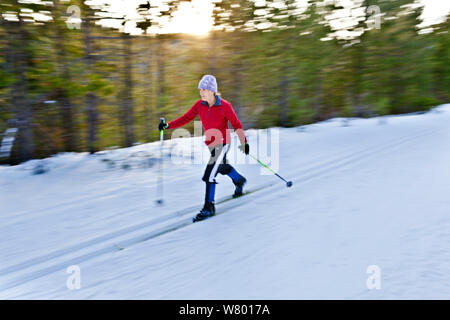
(366, 197)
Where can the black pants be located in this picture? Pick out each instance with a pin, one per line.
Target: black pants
(217, 163)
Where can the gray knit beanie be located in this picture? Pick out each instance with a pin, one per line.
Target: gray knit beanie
(208, 82)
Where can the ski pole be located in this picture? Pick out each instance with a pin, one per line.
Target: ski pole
(159, 190)
(288, 183)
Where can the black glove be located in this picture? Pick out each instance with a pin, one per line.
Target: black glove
(163, 125)
(245, 148)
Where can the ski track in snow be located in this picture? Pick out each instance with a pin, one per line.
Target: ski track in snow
(119, 244)
(23, 277)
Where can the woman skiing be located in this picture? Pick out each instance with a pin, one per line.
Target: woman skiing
(214, 113)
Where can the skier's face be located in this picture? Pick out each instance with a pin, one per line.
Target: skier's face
(207, 95)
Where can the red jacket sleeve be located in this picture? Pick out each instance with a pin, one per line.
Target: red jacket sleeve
(232, 117)
(184, 119)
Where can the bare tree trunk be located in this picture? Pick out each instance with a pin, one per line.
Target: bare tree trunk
(284, 89)
(66, 106)
(160, 77)
(236, 95)
(20, 99)
(318, 101)
(91, 97)
(148, 110)
(127, 97)
(212, 57)
(8, 54)
(237, 72)
(285, 82)
(358, 61)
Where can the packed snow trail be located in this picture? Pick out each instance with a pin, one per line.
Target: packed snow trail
(115, 241)
(396, 147)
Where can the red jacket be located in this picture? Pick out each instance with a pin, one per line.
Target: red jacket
(214, 117)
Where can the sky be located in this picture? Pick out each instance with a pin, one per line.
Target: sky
(435, 10)
(194, 17)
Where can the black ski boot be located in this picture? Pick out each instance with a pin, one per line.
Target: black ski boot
(239, 187)
(208, 211)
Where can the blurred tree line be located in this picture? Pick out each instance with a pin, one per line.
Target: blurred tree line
(69, 84)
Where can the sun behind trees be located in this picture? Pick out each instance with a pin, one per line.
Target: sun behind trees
(70, 84)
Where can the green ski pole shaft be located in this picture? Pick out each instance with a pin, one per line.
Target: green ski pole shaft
(288, 183)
